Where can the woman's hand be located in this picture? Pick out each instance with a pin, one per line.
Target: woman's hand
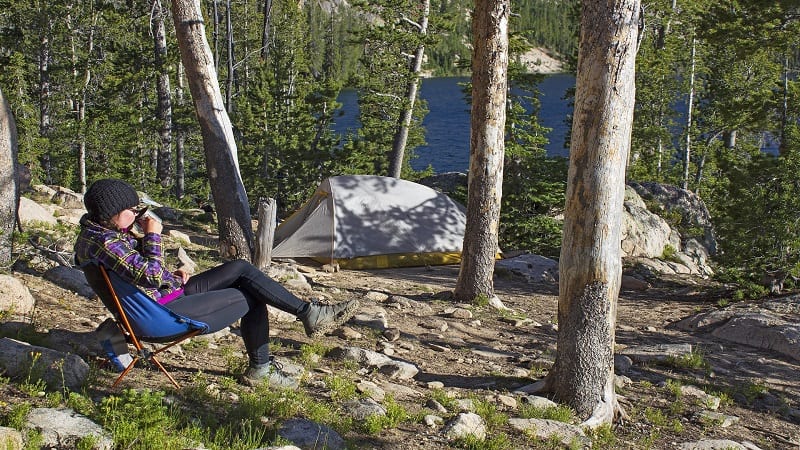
(150, 225)
(182, 274)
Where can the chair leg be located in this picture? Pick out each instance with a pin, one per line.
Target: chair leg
(125, 372)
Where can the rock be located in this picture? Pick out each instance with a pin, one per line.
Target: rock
(391, 334)
(58, 370)
(371, 316)
(436, 406)
(545, 429)
(179, 236)
(432, 420)
(10, 439)
(288, 275)
(762, 330)
(458, 313)
(492, 353)
(63, 428)
(363, 408)
(347, 333)
(31, 212)
(538, 402)
(465, 424)
(434, 385)
(186, 263)
(434, 324)
(15, 297)
(497, 304)
(715, 444)
(386, 365)
(279, 315)
(70, 278)
(709, 401)
(634, 284)
(535, 268)
(378, 297)
(715, 418)
(622, 363)
(67, 198)
(371, 389)
(311, 435)
(660, 353)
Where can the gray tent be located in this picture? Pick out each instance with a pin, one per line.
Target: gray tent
(366, 221)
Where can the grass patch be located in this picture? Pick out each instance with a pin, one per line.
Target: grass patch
(395, 415)
(559, 413)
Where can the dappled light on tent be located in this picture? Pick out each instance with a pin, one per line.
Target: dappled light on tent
(366, 221)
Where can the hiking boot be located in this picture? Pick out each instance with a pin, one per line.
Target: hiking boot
(270, 373)
(320, 318)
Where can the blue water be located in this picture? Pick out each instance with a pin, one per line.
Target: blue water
(447, 122)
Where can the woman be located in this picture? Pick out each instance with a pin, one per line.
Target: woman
(104, 238)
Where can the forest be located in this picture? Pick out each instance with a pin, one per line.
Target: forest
(97, 89)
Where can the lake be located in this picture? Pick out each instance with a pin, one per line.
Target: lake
(447, 122)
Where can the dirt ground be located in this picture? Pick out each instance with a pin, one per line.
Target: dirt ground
(494, 353)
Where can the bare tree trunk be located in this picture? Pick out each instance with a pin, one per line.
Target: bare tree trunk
(229, 47)
(783, 146)
(79, 97)
(266, 29)
(230, 198)
(401, 136)
(164, 111)
(9, 188)
(590, 266)
(265, 236)
(45, 125)
(487, 148)
(688, 153)
(215, 33)
(180, 171)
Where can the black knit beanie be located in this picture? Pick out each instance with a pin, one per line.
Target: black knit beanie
(108, 197)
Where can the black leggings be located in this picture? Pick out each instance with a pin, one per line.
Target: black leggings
(224, 306)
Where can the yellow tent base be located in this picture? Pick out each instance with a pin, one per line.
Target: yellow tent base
(399, 260)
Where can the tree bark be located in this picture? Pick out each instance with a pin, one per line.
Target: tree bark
(266, 29)
(9, 188)
(487, 147)
(590, 266)
(230, 198)
(687, 154)
(164, 111)
(180, 172)
(401, 136)
(265, 236)
(229, 51)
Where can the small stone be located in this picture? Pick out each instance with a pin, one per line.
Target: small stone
(432, 420)
(347, 333)
(391, 334)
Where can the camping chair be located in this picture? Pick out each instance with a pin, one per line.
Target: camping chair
(141, 318)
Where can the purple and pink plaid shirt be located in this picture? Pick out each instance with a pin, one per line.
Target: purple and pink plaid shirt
(120, 252)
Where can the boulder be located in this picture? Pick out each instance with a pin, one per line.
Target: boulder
(15, 297)
(58, 370)
(31, 212)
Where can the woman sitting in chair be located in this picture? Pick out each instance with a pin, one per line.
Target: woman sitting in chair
(105, 239)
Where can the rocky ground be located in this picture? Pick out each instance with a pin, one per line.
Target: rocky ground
(481, 352)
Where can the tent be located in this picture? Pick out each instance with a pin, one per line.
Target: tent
(366, 221)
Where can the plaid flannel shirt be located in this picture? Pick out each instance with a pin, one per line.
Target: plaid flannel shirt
(118, 251)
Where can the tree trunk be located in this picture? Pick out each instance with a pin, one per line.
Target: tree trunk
(180, 172)
(229, 48)
(9, 188)
(266, 29)
(487, 147)
(45, 121)
(688, 151)
(164, 111)
(590, 266)
(265, 236)
(401, 136)
(230, 198)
